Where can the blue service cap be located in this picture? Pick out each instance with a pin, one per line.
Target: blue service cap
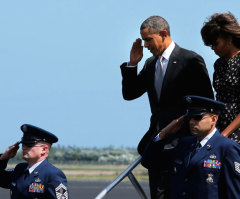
(33, 134)
(197, 105)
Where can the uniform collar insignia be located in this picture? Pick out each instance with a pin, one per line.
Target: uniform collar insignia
(209, 146)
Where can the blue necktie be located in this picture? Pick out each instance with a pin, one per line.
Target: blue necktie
(196, 149)
(159, 77)
(26, 173)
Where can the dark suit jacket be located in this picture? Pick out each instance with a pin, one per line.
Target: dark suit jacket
(186, 74)
(46, 181)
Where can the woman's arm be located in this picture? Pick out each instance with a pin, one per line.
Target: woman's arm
(232, 126)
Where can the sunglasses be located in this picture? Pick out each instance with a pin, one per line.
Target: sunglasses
(195, 117)
(32, 145)
(28, 144)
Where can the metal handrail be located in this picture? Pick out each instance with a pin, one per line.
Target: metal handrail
(126, 172)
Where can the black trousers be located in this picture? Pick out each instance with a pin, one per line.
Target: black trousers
(159, 183)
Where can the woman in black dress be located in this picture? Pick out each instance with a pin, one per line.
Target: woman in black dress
(222, 33)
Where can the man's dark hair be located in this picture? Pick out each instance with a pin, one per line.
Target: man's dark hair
(155, 24)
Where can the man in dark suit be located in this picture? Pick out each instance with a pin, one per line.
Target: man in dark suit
(169, 75)
(206, 165)
(36, 178)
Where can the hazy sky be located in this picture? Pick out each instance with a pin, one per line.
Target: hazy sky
(60, 63)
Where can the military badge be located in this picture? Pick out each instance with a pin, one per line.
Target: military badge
(209, 179)
(237, 166)
(189, 99)
(213, 156)
(36, 188)
(214, 164)
(61, 192)
(38, 180)
(175, 170)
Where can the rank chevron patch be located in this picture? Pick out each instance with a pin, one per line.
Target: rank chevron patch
(61, 191)
(237, 166)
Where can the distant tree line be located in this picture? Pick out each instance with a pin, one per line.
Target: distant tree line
(76, 155)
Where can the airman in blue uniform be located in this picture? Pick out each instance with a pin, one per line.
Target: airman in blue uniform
(36, 178)
(205, 165)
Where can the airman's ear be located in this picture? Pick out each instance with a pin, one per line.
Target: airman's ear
(214, 118)
(45, 149)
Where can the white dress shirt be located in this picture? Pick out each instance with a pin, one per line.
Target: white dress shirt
(208, 137)
(166, 55)
(31, 169)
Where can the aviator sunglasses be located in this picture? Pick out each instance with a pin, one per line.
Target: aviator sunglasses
(28, 144)
(195, 117)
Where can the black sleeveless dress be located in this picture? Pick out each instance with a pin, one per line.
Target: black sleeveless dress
(226, 83)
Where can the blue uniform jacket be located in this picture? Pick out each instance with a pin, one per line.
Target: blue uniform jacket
(213, 172)
(46, 181)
